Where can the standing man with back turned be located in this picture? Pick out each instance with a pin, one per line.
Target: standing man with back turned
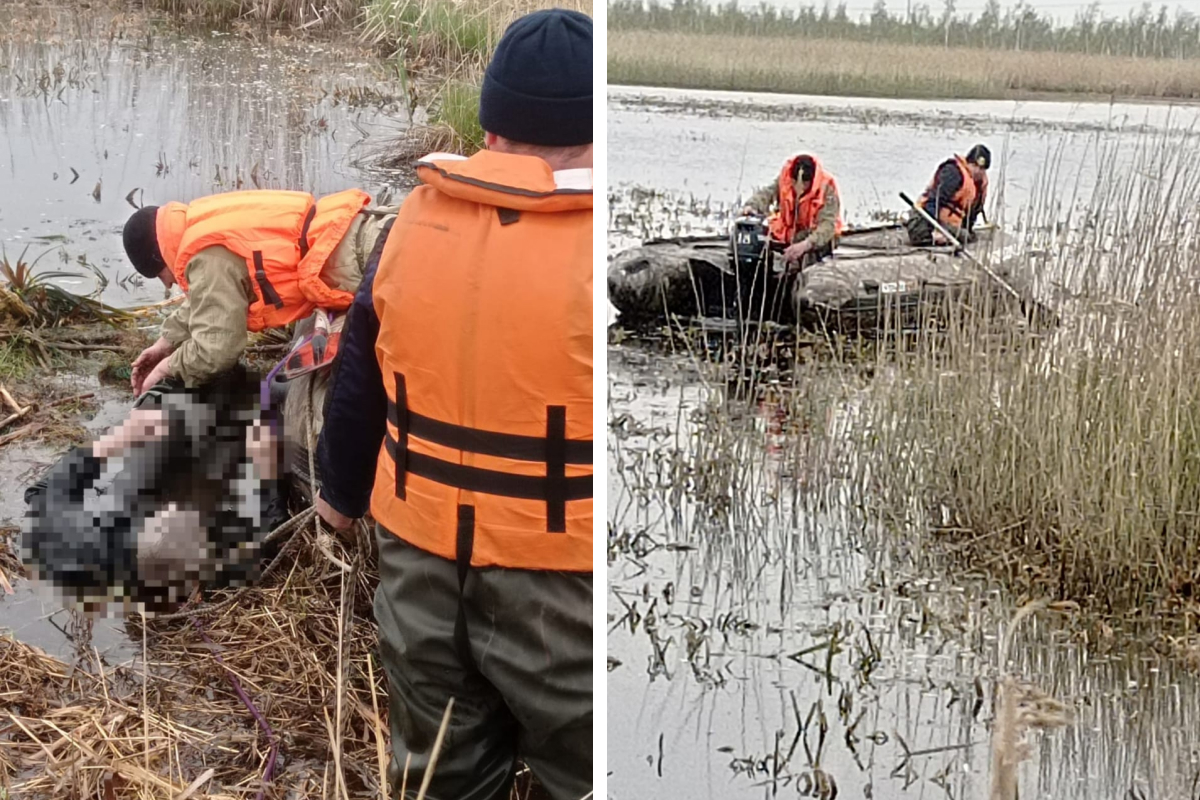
(461, 406)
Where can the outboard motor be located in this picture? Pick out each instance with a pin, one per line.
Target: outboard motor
(748, 238)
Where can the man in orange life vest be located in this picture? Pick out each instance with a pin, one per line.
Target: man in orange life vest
(808, 216)
(460, 407)
(954, 197)
(246, 261)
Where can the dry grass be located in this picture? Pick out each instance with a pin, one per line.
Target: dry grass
(84, 730)
(855, 68)
(453, 42)
(456, 36)
(301, 14)
(1068, 465)
(302, 647)
(1020, 708)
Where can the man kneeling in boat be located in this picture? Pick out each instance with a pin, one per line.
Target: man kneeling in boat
(954, 197)
(808, 216)
(246, 261)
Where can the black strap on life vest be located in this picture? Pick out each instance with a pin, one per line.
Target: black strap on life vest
(554, 449)
(269, 295)
(464, 546)
(303, 240)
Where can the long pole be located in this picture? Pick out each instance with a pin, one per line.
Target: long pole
(954, 241)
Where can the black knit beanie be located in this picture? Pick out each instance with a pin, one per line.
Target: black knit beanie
(141, 242)
(538, 88)
(980, 156)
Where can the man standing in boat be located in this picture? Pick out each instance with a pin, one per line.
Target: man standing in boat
(808, 211)
(954, 197)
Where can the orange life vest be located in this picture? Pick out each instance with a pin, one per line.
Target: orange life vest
(799, 215)
(967, 197)
(285, 238)
(484, 298)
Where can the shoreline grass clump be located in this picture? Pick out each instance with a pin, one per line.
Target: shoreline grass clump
(876, 69)
(445, 46)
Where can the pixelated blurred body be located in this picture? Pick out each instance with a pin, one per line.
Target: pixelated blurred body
(178, 496)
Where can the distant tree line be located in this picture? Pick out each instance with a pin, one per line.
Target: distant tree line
(1144, 33)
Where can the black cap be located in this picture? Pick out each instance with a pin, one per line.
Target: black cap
(538, 87)
(141, 242)
(980, 156)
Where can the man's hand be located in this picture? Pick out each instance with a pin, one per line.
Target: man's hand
(795, 252)
(331, 515)
(157, 375)
(150, 358)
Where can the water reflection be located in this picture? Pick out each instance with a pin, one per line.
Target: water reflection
(100, 111)
(758, 648)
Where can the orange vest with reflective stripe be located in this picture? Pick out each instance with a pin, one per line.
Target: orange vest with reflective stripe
(285, 238)
(952, 214)
(795, 215)
(484, 298)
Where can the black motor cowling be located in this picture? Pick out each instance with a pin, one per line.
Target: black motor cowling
(748, 237)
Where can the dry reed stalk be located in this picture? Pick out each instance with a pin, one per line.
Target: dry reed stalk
(437, 749)
(380, 746)
(1020, 708)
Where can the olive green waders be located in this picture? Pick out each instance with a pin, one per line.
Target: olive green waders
(523, 691)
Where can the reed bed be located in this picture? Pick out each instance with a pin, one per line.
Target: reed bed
(302, 14)
(840, 67)
(1069, 465)
(1065, 463)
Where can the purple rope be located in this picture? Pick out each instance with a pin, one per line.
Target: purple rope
(269, 772)
(264, 395)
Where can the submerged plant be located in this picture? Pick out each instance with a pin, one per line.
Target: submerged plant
(32, 299)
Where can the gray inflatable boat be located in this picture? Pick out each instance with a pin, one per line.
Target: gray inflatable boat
(873, 279)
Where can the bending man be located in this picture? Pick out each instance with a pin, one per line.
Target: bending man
(461, 407)
(808, 216)
(246, 261)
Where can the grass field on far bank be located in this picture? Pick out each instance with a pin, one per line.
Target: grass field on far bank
(836, 67)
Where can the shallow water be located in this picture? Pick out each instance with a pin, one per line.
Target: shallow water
(97, 108)
(714, 148)
(152, 115)
(726, 590)
(32, 613)
(721, 606)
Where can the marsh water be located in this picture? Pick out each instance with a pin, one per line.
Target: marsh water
(761, 644)
(103, 112)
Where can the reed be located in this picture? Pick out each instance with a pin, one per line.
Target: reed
(303, 14)
(1069, 464)
(840, 67)
(445, 48)
(1064, 464)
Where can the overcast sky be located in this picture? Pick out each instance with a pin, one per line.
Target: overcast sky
(1063, 10)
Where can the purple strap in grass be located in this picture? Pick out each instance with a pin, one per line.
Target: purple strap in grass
(269, 772)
